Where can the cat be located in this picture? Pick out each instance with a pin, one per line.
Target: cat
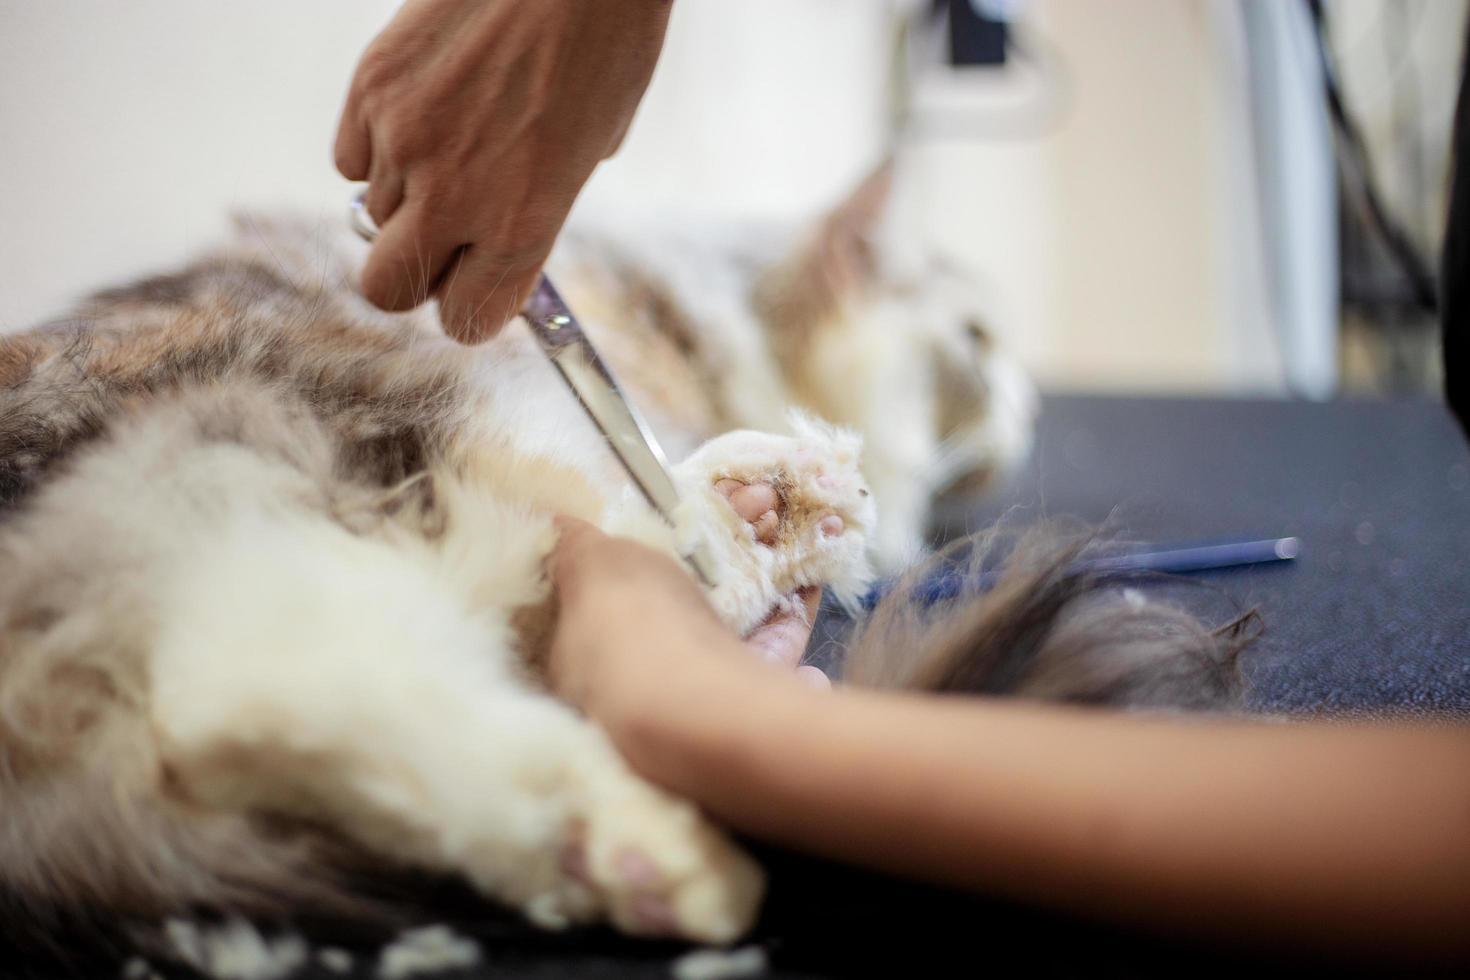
(274, 602)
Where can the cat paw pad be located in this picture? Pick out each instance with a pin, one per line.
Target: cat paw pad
(760, 505)
(660, 869)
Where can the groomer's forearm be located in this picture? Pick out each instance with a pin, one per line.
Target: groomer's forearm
(1345, 837)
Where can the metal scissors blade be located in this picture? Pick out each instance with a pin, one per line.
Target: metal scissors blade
(563, 341)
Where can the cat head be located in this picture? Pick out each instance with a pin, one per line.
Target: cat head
(866, 276)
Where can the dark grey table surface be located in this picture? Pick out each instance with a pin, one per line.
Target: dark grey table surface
(1374, 615)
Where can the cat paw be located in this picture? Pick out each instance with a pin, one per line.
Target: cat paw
(658, 868)
(779, 513)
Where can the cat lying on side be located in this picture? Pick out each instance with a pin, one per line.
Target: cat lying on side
(273, 599)
(848, 317)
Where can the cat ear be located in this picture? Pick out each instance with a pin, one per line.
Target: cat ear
(864, 208)
(843, 253)
(835, 261)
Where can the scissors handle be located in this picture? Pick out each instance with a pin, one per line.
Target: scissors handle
(358, 217)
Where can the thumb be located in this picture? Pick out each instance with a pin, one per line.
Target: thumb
(353, 149)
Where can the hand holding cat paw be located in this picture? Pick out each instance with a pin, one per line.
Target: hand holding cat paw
(632, 621)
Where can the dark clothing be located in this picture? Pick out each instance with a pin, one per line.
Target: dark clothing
(1454, 269)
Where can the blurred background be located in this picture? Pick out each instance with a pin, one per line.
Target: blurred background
(1222, 196)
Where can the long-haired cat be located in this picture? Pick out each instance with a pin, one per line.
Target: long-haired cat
(273, 599)
(849, 317)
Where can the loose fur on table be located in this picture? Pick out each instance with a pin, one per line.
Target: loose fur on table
(273, 603)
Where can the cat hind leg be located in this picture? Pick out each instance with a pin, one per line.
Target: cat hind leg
(307, 672)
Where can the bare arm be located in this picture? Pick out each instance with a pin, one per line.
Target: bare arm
(1300, 833)
(1349, 837)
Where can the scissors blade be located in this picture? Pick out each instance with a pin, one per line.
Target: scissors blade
(562, 339)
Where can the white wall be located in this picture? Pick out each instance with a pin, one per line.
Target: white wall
(1123, 243)
(1152, 263)
(127, 130)
(764, 107)
(1117, 242)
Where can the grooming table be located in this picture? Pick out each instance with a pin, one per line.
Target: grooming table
(1374, 615)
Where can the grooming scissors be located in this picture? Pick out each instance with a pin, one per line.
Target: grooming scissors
(563, 341)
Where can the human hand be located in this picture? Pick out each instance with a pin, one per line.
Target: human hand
(476, 123)
(630, 619)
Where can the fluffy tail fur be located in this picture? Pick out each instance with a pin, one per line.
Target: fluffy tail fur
(1049, 630)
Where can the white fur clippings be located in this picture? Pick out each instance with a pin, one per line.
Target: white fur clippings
(235, 950)
(719, 964)
(427, 950)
